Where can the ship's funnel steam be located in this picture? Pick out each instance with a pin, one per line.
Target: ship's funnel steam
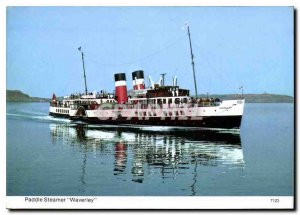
(138, 81)
(121, 89)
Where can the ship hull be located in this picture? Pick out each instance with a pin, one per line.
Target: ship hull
(59, 115)
(225, 122)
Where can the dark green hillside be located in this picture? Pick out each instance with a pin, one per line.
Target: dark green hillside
(18, 96)
(257, 98)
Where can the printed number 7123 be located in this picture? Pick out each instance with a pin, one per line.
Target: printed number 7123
(274, 200)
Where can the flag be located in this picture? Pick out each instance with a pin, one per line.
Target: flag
(241, 87)
(53, 97)
(79, 48)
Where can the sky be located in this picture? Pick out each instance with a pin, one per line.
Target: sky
(251, 47)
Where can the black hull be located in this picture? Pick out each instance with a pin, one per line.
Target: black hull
(59, 115)
(226, 122)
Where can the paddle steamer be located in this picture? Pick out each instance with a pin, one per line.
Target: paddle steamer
(156, 105)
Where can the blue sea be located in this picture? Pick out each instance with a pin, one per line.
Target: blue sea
(49, 156)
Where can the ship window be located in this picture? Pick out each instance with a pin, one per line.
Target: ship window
(184, 100)
(170, 101)
(158, 101)
(154, 101)
(182, 113)
(144, 113)
(164, 101)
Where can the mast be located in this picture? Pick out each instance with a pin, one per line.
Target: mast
(193, 64)
(163, 78)
(82, 56)
(242, 88)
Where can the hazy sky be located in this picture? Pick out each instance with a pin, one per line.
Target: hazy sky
(233, 46)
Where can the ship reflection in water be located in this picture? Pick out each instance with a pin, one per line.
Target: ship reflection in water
(152, 150)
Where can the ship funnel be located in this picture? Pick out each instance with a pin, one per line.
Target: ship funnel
(138, 80)
(121, 89)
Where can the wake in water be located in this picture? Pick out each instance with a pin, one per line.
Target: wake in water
(43, 118)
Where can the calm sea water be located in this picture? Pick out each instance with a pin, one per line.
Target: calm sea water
(47, 156)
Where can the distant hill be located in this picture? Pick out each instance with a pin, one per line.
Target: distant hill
(256, 98)
(18, 96)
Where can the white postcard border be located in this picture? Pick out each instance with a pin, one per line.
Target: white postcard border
(96, 202)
